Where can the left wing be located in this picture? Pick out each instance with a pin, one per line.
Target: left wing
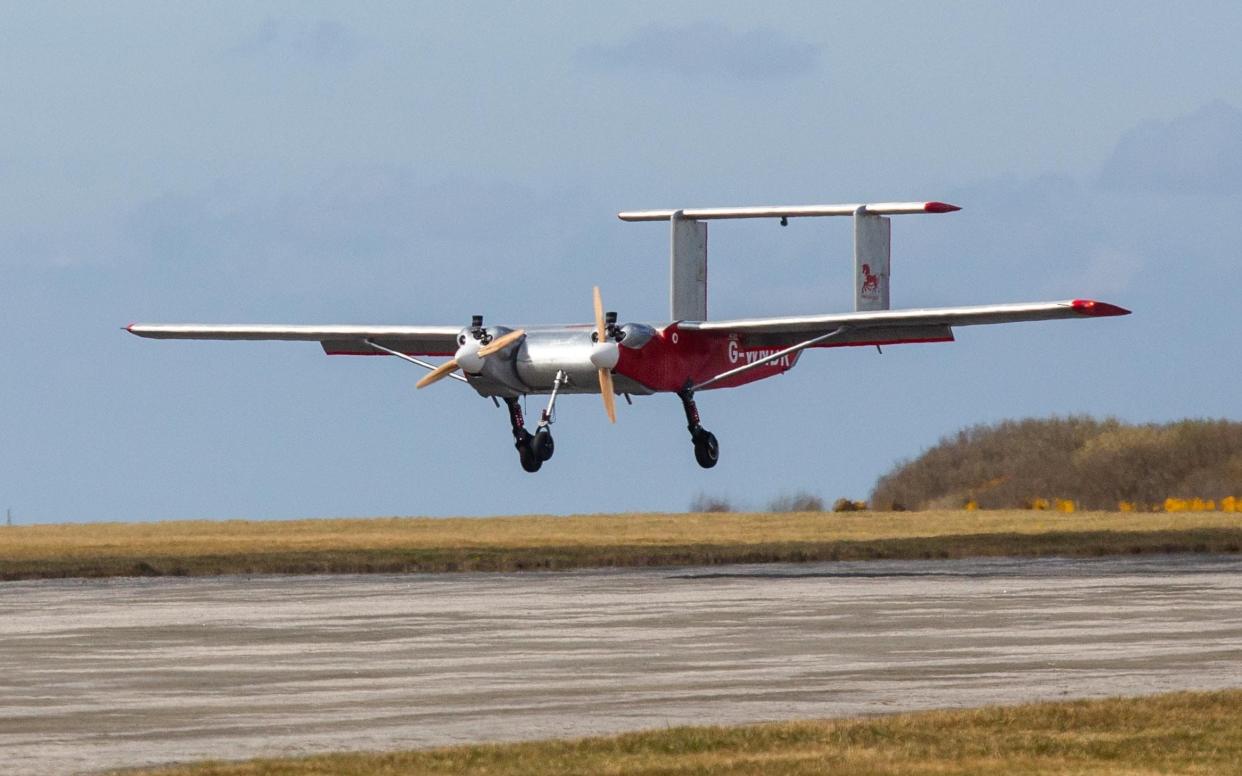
(894, 326)
(879, 327)
(336, 340)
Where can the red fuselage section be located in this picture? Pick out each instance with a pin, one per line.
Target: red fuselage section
(675, 359)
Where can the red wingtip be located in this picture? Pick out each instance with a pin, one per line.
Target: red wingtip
(1097, 309)
(939, 207)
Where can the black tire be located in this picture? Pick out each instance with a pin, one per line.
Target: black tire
(706, 449)
(542, 444)
(530, 461)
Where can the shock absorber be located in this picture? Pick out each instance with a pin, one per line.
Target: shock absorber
(516, 419)
(692, 413)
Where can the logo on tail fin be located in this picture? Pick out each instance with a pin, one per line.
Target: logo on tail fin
(871, 283)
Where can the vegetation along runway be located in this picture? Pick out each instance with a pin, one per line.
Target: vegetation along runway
(410, 544)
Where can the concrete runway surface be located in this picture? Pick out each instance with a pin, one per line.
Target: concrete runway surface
(124, 672)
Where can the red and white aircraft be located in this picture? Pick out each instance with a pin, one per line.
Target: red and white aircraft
(686, 355)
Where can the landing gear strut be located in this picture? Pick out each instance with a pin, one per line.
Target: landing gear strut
(542, 442)
(534, 449)
(706, 448)
(522, 438)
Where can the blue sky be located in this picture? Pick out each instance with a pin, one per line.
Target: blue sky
(420, 162)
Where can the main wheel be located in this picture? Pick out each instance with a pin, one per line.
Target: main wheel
(529, 458)
(706, 449)
(542, 444)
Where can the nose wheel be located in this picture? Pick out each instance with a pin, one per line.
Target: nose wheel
(706, 448)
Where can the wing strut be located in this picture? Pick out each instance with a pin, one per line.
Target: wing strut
(775, 356)
(411, 359)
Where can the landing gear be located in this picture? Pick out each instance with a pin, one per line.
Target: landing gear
(531, 461)
(523, 439)
(706, 448)
(534, 449)
(542, 445)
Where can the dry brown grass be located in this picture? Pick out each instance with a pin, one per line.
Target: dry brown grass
(517, 543)
(1182, 733)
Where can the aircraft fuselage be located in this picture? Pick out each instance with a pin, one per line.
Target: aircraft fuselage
(652, 360)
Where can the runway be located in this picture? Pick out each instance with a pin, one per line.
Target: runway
(112, 673)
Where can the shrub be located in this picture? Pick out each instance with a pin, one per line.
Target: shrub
(1096, 464)
(706, 503)
(797, 502)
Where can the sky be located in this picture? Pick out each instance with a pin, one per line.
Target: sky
(406, 163)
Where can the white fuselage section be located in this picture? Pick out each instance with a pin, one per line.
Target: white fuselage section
(531, 365)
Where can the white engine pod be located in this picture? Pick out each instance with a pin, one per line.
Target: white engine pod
(636, 335)
(468, 357)
(604, 355)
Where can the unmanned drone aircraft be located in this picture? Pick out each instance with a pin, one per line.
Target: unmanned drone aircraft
(683, 356)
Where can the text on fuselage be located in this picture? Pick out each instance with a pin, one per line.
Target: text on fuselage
(739, 356)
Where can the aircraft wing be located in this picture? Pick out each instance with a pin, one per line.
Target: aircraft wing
(882, 327)
(336, 340)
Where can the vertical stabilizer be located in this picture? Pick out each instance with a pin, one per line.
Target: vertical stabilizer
(872, 248)
(687, 268)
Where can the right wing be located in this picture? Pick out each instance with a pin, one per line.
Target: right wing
(336, 340)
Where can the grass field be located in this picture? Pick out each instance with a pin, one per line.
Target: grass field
(1182, 733)
(530, 543)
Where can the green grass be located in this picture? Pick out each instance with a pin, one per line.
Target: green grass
(1181, 733)
(397, 545)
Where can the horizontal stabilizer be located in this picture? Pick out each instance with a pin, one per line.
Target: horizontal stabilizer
(791, 211)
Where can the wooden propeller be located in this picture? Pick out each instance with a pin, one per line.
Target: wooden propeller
(437, 374)
(501, 342)
(605, 375)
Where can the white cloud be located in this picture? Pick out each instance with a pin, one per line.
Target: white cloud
(705, 50)
(321, 41)
(1199, 153)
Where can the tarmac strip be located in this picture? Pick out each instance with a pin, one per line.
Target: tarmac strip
(98, 674)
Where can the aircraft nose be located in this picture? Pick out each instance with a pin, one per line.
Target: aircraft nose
(468, 357)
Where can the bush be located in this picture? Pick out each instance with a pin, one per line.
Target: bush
(706, 503)
(846, 505)
(1096, 464)
(797, 502)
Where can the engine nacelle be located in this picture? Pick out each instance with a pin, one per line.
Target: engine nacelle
(543, 353)
(635, 335)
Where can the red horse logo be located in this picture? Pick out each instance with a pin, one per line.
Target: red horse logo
(871, 283)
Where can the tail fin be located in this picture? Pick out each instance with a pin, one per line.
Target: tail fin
(872, 250)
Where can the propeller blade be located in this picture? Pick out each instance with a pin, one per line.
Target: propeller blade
(500, 343)
(605, 390)
(601, 329)
(605, 375)
(437, 374)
